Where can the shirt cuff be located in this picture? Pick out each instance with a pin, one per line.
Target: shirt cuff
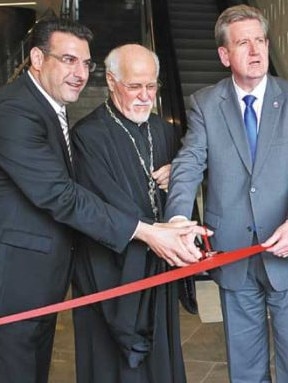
(177, 217)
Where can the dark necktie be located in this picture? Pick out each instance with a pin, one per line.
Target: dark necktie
(250, 120)
(65, 128)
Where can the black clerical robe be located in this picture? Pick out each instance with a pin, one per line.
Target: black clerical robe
(135, 338)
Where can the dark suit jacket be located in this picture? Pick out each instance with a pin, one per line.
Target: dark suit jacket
(238, 194)
(40, 204)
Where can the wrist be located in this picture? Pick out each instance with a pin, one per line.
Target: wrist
(178, 218)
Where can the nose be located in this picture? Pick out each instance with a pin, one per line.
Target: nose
(81, 70)
(253, 47)
(143, 94)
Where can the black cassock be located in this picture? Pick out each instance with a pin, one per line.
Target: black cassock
(135, 338)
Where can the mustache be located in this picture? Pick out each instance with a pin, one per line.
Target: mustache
(146, 103)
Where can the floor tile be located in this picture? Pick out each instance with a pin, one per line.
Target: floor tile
(203, 348)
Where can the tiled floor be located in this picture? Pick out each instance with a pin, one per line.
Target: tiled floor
(204, 350)
(203, 346)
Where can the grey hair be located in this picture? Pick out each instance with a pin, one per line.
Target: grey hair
(237, 13)
(112, 61)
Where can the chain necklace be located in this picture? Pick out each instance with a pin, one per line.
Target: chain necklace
(151, 182)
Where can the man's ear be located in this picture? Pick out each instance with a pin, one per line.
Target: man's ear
(223, 55)
(110, 81)
(36, 58)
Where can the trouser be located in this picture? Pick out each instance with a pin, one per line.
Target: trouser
(25, 350)
(247, 327)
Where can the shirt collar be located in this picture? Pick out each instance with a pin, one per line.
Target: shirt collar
(258, 92)
(58, 108)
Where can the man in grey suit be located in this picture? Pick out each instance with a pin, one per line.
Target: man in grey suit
(41, 203)
(247, 192)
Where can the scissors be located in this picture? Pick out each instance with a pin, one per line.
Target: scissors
(202, 241)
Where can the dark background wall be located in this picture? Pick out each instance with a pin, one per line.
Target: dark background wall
(15, 23)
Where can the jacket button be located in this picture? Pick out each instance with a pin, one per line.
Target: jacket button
(252, 190)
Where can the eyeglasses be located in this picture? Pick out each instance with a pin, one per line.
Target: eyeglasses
(152, 87)
(71, 60)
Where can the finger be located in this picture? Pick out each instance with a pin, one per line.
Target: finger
(202, 231)
(163, 184)
(164, 187)
(181, 224)
(159, 176)
(194, 253)
(285, 255)
(156, 173)
(275, 249)
(189, 243)
(180, 263)
(170, 262)
(163, 170)
(273, 240)
(190, 253)
(270, 242)
(175, 261)
(282, 251)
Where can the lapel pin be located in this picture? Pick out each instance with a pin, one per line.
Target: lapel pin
(275, 104)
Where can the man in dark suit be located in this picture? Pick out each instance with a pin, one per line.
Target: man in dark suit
(40, 203)
(247, 192)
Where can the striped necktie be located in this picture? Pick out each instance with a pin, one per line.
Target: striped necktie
(64, 124)
(250, 120)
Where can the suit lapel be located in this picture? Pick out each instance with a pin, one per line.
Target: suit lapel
(234, 122)
(271, 111)
(54, 124)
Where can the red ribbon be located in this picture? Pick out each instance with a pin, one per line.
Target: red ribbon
(209, 263)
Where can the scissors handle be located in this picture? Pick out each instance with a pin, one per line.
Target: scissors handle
(207, 245)
(204, 245)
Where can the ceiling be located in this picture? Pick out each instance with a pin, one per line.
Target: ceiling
(19, 3)
(39, 5)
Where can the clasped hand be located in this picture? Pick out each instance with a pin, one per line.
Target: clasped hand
(184, 233)
(278, 242)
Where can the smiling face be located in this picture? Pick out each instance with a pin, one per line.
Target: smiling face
(246, 53)
(63, 82)
(134, 92)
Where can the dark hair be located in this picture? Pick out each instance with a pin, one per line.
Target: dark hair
(43, 30)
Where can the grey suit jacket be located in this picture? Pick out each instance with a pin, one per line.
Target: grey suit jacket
(238, 194)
